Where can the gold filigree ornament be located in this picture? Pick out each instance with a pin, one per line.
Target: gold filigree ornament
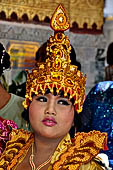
(57, 70)
(16, 149)
(84, 148)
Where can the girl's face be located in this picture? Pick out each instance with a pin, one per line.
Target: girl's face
(51, 116)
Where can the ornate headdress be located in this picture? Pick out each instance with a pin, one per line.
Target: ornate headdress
(57, 70)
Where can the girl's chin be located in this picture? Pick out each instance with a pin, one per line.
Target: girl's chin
(50, 135)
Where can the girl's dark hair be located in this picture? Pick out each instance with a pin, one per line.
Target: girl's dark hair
(41, 55)
(110, 54)
(4, 59)
(77, 124)
(77, 121)
(73, 58)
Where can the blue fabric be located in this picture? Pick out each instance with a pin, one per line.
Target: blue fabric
(97, 113)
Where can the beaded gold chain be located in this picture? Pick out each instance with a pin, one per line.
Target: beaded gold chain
(32, 162)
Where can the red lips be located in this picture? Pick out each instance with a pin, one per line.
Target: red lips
(49, 121)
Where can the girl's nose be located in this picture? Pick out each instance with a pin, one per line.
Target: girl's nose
(50, 109)
(50, 113)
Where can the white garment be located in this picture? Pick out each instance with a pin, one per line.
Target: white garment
(104, 159)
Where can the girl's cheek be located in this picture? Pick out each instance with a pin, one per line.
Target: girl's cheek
(65, 109)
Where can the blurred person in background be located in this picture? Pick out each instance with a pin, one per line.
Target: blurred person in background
(10, 104)
(97, 113)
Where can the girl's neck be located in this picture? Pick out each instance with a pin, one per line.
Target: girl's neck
(45, 145)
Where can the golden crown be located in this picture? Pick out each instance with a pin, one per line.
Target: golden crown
(57, 70)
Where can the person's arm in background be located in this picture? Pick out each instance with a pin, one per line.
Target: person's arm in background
(4, 97)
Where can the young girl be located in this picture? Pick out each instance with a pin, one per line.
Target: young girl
(54, 96)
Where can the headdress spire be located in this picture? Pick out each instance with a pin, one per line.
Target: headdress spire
(60, 20)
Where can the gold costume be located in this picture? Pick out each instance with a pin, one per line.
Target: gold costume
(79, 153)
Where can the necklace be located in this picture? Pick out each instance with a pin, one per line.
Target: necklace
(32, 162)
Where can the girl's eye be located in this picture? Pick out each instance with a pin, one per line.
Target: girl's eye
(41, 99)
(63, 102)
